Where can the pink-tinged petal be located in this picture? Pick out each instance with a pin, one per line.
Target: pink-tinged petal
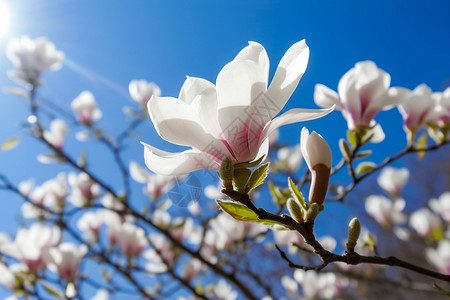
(166, 163)
(287, 76)
(194, 86)
(325, 97)
(240, 85)
(256, 52)
(293, 116)
(372, 82)
(178, 123)
(350, 98)
(386, 101)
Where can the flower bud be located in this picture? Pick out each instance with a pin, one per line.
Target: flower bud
(295, 210)
(312, 212)
(240, 179)
(354, 229)
(318, 156)
(226, 173)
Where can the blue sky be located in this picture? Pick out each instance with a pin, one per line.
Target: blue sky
(109, 43)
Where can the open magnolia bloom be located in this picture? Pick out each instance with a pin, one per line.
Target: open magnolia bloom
(362, 92)
(232, 118)
(33, 57)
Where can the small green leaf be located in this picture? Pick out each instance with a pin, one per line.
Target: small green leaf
(240, 179)
(82, 160)
(241, 212)
(257, 177)
(351, 136)
(365, 167)
(52, 291)
(10, 143)
(445, 292)
(249, 164)
(296, 193)
(345, 149)
(421, 144)
(106, 276)
(371, 240)
(363, 154)
(277, 193)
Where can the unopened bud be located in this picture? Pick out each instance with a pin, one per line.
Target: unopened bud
(295, 210)
(320, 174)
(226, 173)
(354, 229)
(312, 212)
(240, 179)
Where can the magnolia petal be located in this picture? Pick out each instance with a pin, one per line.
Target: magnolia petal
(377, 132)
(256, 52)
(138, 173)
(194, 86)
(293, 116)
(287, 76)
(372, 81)
(240, 86)
(325, 97)
(166, 163)
(178, 123)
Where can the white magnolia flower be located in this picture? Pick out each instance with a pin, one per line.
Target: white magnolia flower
(32, 57)
(158, 260)
(9, 275)
(440, 257)
(51, 193)
(324, 285)
(191, 269)
(130, 238)
(157, 185)
(65, 258)
(289, 158)
(384, 211)
(90, 223)
(85, 108)
(101, 294)
(424, 222)
(290, 285)
(441, 206)
(32, 244)
(417, 108)
(84, 189)
(318, 157)
(232, 118)
(223, 291)
(57, 133)
(392, 180)
(442, 108)
(141, 91)
(363, 92)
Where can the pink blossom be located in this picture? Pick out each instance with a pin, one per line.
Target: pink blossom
(363, 92)
(32, 244)
(232, 118)
(65, 258)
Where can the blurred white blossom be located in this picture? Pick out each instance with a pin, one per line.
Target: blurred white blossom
(32, 57)
(392, 180)
(32, 244)
(141, 91)
(441, 206)
(85, 108)
(65, 258)
(385, 211)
